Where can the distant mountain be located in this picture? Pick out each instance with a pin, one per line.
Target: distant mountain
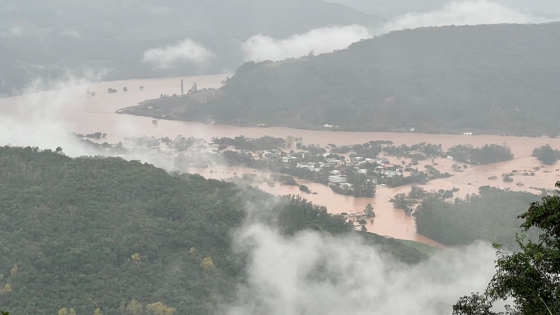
(487, 78)
(70, 36)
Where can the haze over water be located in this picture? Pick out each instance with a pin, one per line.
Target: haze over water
(81, 114)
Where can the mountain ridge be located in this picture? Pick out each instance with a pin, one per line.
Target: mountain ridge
(487, 78)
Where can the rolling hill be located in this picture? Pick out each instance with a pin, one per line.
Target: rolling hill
(105, 233)
(486, 78)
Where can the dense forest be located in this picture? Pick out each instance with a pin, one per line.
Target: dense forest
(486, 78)
(487, 154)
(490, 215)
(104, 235)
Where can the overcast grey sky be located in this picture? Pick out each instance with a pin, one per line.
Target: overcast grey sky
(393, 8)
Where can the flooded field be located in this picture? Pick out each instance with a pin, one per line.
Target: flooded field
(73, 110)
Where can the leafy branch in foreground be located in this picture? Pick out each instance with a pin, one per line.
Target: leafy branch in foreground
(530, 277)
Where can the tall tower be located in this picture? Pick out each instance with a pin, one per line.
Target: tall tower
(182, 87)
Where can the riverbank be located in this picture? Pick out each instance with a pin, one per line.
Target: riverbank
(190, 108)
(71, 110)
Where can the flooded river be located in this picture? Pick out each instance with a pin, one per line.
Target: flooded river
(72, 110)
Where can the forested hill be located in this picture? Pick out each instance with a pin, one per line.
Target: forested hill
(122, 236)
(49, 38)
(488, 78)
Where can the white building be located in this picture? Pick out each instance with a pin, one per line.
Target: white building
(337, 179)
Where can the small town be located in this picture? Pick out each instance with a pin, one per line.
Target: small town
(354, 170)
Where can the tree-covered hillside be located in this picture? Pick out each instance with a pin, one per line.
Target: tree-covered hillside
(487, 78)
(88, 233)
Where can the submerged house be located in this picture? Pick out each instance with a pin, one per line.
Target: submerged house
(337, 179)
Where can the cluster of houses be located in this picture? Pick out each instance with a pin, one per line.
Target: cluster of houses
(374, 169)
(383, 169)
(337, 167)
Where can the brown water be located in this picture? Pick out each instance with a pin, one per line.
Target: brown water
(86, 115)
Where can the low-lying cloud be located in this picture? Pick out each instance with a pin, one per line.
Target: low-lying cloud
(323, 40)
(70, 33)
(312, 273)
(48, 113)
(462, 13)
(11, 32)
(35, 119)
(185, 51)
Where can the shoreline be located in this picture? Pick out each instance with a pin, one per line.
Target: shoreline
(74, 112)
(136, 110)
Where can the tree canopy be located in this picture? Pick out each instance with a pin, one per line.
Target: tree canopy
(530, 277)
(490, 215)
(104, 233)
(488, 78)
(546, 154)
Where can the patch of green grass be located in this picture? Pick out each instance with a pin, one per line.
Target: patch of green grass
(424, 248)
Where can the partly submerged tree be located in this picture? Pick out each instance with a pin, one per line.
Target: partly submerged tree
(529, 278)
(546, 154)
(368, 211)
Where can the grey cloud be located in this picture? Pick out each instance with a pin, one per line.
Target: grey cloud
(391, 9)
(462, 13)
(11, 32)
(70, 33)
(184, 51)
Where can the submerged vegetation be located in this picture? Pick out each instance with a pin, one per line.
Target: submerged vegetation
(490, 215)
(546, 154)
(487, 154)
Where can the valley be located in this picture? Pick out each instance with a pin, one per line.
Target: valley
(75, 112)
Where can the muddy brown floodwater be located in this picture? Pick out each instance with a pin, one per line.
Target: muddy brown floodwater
(83, 114)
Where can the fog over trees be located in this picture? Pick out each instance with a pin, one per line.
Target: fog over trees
(283, 157)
